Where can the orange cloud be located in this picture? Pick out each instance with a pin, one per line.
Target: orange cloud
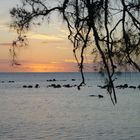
(44, 37)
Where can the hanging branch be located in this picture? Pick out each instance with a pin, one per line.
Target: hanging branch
(89, 24)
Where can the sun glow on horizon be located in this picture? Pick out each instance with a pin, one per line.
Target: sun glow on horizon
(51, 67)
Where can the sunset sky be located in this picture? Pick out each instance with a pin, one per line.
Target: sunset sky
(49, 50)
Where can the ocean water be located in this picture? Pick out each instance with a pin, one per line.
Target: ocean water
(48, 113)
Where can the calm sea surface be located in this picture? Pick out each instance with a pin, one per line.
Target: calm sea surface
(48, 113)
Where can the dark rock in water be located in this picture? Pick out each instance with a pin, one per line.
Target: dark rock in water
(67, 86)
(119, 86)
(2, 81)
(30, 86)
(51, 80)
(57, 86)
(54, 86)
(73, 79)
(125, 85)
(37, 86)
(93, 95)
(139, 87)
(122, 86)
(100, 96)
(24, 86)
(11, 81)
(100, 86)
(134, 87)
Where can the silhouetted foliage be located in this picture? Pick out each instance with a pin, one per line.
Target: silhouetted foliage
(110, 28)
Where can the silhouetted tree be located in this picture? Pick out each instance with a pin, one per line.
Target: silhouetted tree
(111, 28)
